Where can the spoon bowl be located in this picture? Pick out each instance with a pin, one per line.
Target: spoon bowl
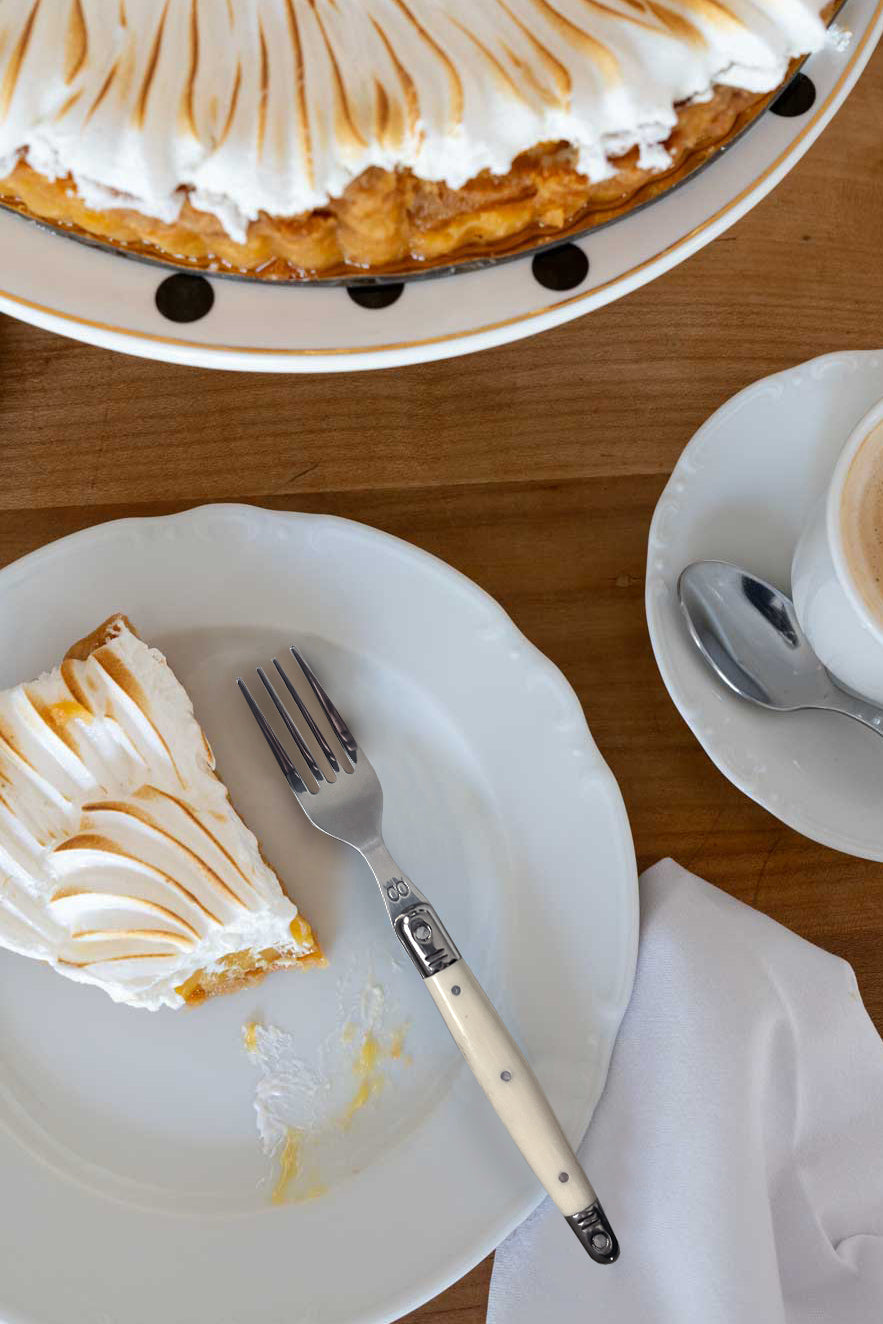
(748, 632)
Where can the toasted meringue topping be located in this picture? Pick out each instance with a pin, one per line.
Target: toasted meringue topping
(277, 105)
(122, 861)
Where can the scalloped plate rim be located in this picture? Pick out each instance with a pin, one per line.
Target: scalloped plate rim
(450, 1267)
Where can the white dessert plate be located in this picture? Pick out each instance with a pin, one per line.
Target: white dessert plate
(110, 300)
(741, 492)
(134, 1186)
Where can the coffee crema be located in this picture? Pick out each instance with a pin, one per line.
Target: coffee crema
(861, 521)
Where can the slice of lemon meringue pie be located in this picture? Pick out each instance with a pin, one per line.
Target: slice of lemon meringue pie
(122, 860)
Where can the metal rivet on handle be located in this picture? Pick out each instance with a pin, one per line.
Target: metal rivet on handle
(564, 1176)
(506, 1075)
(456, 990)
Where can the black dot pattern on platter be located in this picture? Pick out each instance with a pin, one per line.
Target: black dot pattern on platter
(185, 298)
(561, 268)
(797, 98)
(375, 296)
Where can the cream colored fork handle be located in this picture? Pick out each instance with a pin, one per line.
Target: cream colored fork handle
(506, 1078)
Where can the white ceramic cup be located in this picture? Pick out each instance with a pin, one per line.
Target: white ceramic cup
(844, 630)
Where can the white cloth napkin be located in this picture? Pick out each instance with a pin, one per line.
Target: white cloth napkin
(738, 1146)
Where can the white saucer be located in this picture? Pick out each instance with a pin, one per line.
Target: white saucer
(741, 492)
(134, 1187)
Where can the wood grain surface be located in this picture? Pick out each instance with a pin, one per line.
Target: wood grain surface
(534, 469)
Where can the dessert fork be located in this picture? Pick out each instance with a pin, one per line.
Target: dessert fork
(344, 799)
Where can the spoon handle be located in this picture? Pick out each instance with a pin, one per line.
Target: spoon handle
(851, 706)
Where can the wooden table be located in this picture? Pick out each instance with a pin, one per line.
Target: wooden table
(534, 469)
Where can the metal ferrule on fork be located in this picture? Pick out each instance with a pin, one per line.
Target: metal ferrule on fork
(415, 921)
(425, 939)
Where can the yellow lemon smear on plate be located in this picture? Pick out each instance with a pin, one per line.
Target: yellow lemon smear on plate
(371, 1082)
(289, 1164)
(397, 1044)
(367, 1067)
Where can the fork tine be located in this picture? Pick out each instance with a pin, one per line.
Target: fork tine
(289, 770)
(308, 718)
(339, 726)
(291, 728)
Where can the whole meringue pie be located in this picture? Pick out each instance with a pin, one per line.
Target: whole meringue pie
(289, 137)
(122, 861)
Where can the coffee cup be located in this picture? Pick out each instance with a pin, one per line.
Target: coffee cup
(837, 572)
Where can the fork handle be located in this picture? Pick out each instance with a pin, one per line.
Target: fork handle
(511, 1086)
